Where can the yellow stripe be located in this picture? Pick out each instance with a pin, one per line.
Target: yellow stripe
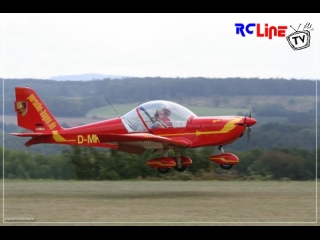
(58, 138)
(227, 128)
(223, 159)
(161, 164)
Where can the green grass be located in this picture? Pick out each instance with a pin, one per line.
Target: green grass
(161, 202)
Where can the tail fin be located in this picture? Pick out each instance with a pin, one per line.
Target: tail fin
(32, 113)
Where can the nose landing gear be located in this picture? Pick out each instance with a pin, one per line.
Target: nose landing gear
(225, 160)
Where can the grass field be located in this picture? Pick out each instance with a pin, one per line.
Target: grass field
(160, 202)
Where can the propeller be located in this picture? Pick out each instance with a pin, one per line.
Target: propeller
(249, 130)
(249, 137)
(248, 122)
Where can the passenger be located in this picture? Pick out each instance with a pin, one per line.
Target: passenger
(166, 119)
(158, 120)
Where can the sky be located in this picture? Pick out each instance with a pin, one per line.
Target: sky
(155, 45)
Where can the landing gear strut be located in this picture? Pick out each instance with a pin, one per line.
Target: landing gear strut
(179, 166)
(221, 149)
(165, 163)
(178, 157)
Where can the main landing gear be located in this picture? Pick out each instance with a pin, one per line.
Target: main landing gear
(163, 170)
(165, 163)
(179, 166)
(181, 169)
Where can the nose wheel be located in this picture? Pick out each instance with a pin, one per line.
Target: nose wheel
(224, 166)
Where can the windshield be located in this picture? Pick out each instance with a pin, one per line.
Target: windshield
(132, 122)
(178, 114)
(177, 118)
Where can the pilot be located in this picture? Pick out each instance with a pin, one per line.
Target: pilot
(166, 119)
(158, 120)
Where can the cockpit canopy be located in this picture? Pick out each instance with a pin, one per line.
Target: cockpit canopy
(141, 118)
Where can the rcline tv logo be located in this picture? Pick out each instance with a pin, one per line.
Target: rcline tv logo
(300, 39)
(269, 32)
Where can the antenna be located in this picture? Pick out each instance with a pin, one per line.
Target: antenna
(299, 26)
(112, 106)
(292, 28)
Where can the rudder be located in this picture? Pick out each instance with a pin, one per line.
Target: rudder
(32, 113)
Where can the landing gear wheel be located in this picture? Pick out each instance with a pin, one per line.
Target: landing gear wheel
(163, 170)
(181, 169)
(226, 166)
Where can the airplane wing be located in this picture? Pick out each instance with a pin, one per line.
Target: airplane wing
(138, 142)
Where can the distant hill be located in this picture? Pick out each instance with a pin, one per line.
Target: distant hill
(87, 77)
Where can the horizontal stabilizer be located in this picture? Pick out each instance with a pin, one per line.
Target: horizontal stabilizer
(30, 134)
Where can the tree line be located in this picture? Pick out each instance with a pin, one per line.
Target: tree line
(146, 88)
(87, 163)
(76, 98)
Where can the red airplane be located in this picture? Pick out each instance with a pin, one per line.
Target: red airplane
(134, 132)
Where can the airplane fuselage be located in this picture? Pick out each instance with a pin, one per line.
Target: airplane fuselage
(199, 131)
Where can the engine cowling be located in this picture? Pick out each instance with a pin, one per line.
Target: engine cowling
(225, 158)
(161, 162)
